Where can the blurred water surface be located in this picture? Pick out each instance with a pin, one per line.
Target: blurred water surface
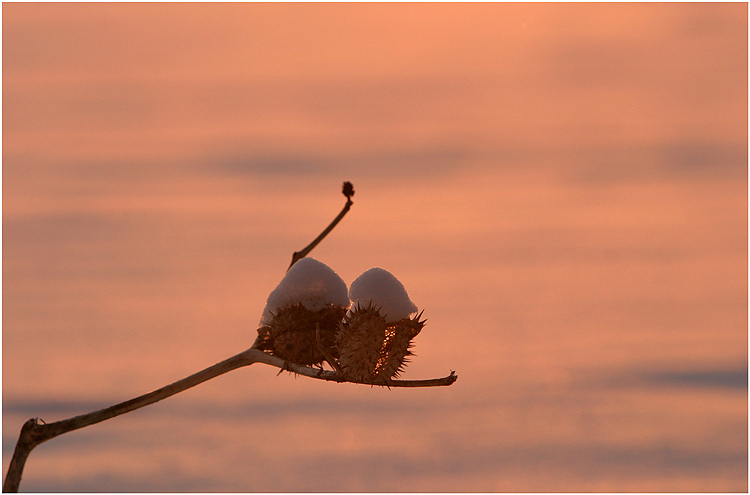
(561, 187)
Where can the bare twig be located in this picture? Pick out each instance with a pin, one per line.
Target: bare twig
(333, 376)
(331, 360)
(348, 191)
(35, 431)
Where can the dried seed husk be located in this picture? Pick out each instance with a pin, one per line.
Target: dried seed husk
(371, 349)
(290, 334)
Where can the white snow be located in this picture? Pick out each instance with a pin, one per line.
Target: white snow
(382, 289)
(309, 282)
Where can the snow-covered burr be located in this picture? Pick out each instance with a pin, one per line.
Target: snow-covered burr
(311, 295)
(375, 338)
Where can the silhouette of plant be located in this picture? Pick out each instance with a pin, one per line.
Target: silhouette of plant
(366, 344)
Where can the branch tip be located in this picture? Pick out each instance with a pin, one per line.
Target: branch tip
(348, 190)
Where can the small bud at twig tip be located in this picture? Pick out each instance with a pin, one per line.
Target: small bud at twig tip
(348, 190)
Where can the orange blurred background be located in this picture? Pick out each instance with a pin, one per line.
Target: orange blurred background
(561, 187)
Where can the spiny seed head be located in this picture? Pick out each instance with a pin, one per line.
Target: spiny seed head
(359, 341)
(370, 348)
(310, 295)
(290, 333)
(309, 282)
(397, 346)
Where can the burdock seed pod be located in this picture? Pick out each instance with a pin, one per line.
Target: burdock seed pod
(375, 339)
(310, 297)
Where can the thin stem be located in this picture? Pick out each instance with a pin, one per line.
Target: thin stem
(33, 432)
(348, 191)
(331, 360)
(23, 448)
(333, 376)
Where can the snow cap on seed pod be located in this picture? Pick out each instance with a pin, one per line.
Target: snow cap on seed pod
(379, 288)
(375, 338)
(311, 295)
(310, 283)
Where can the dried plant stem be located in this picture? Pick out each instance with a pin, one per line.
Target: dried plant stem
(348, 191)
(333, 376)
(35, 431)
(331, 360)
